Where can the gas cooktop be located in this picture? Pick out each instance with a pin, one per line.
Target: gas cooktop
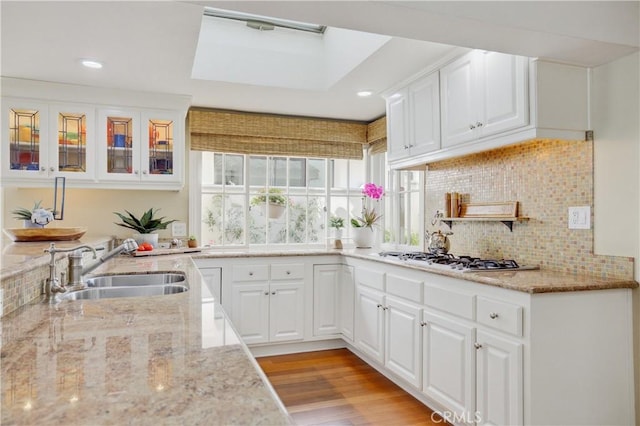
(458, 263)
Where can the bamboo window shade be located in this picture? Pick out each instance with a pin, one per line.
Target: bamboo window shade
(264, 134)
(377, 136)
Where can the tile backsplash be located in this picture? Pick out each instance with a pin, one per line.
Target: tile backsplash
(546, 177)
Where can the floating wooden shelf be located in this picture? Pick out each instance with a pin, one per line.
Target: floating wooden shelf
(507, 221)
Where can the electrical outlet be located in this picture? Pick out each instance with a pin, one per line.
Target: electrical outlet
(580, 217)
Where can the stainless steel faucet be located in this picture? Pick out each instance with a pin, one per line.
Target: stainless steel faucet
(76, 269)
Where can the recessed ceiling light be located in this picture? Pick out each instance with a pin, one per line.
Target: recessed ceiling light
(91, 64)
(364, 93)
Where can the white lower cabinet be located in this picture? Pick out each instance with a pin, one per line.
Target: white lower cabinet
(449, 363)
(370, 322)
(499, 380)
(266, 310)
(333, 298)
(403, 352)
(388, 330)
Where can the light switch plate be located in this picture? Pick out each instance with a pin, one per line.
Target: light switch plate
(580, 217)
(178, 229)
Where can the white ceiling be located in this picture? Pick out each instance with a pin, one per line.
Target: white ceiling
(151, 46)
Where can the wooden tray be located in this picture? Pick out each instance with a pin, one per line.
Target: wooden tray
(506, 209)
(44, 234)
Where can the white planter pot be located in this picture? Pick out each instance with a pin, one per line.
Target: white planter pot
(146, 238)
(363, 237)
(274, 211)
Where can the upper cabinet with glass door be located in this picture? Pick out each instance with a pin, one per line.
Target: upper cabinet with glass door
(41, 141)
(143, 148)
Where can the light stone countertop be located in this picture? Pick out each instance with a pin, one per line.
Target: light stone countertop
(172, 359)
(528, 281)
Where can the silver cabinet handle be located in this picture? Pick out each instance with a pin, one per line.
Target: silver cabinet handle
(477, 345)
(422, 324)
(493, 315)
(250, 274)
(288, 272)
(266, 293)
(478, 124)
(144, 172)
(51, 169)
(379, 305)
(471, 127)
(273, 293)
(385, 308)
(42, 169)
(135, 172)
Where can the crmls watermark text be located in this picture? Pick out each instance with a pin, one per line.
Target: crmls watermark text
(456, 418)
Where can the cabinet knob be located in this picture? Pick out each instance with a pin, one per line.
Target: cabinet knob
(51, 169)
(478, 124)
(493, 315)
(42, 169)
(477, 345)
(273, 293)
(406, 147)
(250, 274)
(422, 324)
(144, 172)
(384, 308)
(135, 172)
(288, 272)
(379, 305)
(266, 293)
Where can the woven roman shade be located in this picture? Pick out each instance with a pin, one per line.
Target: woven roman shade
(377, 136)
(264, 134)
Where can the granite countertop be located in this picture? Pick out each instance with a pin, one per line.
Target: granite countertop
(528, 281)
(172, 359)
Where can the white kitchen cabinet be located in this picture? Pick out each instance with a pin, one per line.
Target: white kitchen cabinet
(140, 148)
(333, 300)
(347, 303)
(449, 374)
(499, 380)
(45, 140)
(326, 299)
(403, 339)
(483, 93)
(213, 283)
(413, 119)
(369, 324)
(268, 302)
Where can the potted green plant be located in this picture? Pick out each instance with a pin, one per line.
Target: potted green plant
(337, 223)
(145, 226)
(192, 242)
(37, 217)
(274, 199)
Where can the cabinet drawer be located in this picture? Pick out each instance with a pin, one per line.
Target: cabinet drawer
(250, 273)
(502, 316)
(289, 271)
(373, 279)
(448, 301)
(404, 287)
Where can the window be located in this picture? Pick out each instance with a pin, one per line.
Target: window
(286, 200)
(251, 200)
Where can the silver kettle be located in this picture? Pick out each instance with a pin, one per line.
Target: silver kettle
(438, 242)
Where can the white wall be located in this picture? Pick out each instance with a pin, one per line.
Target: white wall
(615, 113)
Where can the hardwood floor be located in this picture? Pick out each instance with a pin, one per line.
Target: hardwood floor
(335, 387)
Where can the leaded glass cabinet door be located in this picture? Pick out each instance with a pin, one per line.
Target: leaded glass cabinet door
(162, 147)
(74, 141)
(24, 139)
(119, 141)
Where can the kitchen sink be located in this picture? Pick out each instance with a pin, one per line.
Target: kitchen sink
(112, 292)
(130, 285)
(136, 280)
